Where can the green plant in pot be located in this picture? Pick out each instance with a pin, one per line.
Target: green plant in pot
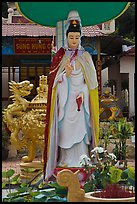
(105, 135)
(106, 175)
(106, 183)
(121, 184)
(122, 130)
(100, 161)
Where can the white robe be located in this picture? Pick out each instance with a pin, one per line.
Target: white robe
(74, 131)
(88, 72)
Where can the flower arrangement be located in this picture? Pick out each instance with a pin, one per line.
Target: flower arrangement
(106, 175)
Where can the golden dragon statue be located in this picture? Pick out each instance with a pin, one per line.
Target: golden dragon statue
(26, 119)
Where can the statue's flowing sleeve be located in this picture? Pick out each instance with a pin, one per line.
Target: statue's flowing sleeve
(53, 71)
(90, 76)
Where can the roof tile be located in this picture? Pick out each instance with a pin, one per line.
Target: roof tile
(38, 30)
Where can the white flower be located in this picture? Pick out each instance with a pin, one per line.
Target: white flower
(83, 156)
(93, 176)
(94, 150)
(112, 156)
(84, 160)
(119, 165)
(92, 156)
(98, 150)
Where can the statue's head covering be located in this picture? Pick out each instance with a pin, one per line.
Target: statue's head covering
(73, 23)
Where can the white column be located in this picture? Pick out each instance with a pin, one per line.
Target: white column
(131, 95)
(60, 34)
(10, 14)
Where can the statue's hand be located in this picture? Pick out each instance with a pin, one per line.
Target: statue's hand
(68, 69)
(79, 100)
(81, 95)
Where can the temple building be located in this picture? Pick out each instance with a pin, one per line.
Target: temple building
(27, 53)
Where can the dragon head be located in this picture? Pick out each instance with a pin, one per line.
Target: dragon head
(21, 88)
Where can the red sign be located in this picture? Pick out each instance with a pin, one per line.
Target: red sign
(32, 45)
(20, 19)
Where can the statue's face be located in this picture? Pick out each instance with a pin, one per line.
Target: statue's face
(73, 39)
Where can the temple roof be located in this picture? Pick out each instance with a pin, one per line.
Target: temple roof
(35, 30)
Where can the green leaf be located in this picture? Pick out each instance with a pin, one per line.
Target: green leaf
(61, 192)
(23, 185)
(131, 182)
(37, 178)
(53, 200)
(88, 187)
(4, 174)
(13, 182)
(6, 200)
(131, 172)
(124, 174)
(19, 199)
(4, 184)
(55, 185)
(10, 173)
(23, 189)
(34, 193)
(42, 199)
(41, 185)
(13, 194)
(15, 179)
(115, 174)
(29, 170)
(48, 193)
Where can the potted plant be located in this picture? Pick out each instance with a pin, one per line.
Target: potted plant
(107, 177)
(101, 161)
(122, 130)
(100, 186)
(105, 135)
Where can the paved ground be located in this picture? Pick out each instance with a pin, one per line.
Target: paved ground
(14, 163)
